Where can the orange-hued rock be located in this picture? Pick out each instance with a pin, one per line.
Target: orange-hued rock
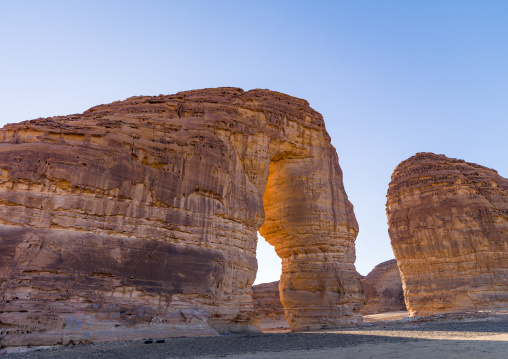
(383, 288)
(267, 300)
(448, 224)
(138, 218)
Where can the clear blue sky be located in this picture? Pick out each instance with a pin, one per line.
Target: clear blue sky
(391, 78)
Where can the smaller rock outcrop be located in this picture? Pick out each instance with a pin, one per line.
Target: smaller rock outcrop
(267, 300)
(383, 288)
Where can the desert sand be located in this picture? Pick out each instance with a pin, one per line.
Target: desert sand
(462, 335)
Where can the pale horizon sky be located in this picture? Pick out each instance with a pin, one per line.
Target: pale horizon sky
(391, 78)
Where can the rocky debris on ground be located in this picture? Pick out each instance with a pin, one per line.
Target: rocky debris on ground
(458, 331)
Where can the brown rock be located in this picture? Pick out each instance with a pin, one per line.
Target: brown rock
(267, 300)
(138, 218)
(383, 288)
(448, 224)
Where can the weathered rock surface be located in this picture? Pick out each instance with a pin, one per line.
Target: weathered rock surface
(138, 218)
(267, 300)
(383, 288)
(448, 224)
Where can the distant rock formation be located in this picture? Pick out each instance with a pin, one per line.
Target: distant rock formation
(448, 224)
(383, 288)
(138, 219)
(267, 300)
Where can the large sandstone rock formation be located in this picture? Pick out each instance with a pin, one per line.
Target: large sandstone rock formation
(138, 218)
(383, 288)
(448, 224)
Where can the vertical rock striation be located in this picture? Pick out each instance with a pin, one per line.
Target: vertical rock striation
(448, 224)
(138, 218)
(383, 288)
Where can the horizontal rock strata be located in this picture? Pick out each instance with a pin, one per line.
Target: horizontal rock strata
(383, 288)
(138, 218)
(448, 224)
(267, 300)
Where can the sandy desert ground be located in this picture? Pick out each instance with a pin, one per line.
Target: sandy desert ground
(390, 335)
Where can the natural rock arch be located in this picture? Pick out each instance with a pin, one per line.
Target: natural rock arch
(138, 218)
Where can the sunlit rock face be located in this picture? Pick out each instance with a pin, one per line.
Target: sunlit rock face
(448, 224)
(138, 219)
(383, 288)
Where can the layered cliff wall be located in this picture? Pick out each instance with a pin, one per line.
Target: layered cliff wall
(448, 224)
(267, 300)
(138, 218)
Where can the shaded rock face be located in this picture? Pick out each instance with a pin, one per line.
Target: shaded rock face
(448, 224)
(267, 300)
(138, 219)
(383, 288)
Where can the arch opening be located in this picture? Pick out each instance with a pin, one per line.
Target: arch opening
(265, 291)
(269, 263)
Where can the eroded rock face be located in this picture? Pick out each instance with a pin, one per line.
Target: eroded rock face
(448, 224)
(138, 218)
(267, 300)
(383, 288)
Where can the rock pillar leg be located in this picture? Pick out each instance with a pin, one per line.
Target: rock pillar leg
(311, 224)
